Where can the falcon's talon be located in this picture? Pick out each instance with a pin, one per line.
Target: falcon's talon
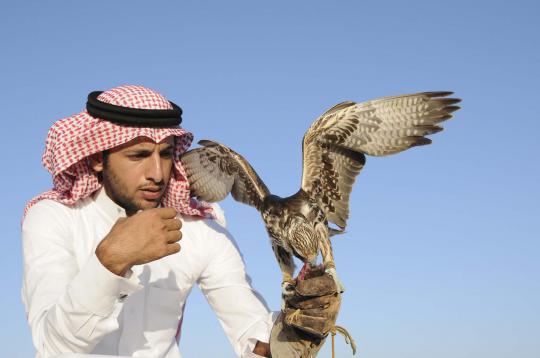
(292, 317)
(339, 285)
(287, 289)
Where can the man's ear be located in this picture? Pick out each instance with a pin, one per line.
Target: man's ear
(96, 162)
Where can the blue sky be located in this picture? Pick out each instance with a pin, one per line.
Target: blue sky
(441, 255)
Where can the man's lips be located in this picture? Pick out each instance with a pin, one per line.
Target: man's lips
(152, 188)
(151, 193)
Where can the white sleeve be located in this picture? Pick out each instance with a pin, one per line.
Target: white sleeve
(241, 311)
(69, 308)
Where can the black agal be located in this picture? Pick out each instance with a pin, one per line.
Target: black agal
(133, 116)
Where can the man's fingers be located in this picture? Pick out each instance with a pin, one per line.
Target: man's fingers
(173, 236)
(173, 248)
(173, 224)
(167, 213)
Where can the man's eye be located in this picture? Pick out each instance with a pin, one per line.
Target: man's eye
(167, 154)
(138, 156)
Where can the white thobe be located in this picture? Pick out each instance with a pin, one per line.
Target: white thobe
(75, 305)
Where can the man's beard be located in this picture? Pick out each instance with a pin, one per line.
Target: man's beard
(115, 190)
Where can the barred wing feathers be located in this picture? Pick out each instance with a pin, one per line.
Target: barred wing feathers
(334, 145)
(214, 171)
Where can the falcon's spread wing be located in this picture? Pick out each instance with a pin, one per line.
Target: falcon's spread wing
(333, 146)
(214, 171)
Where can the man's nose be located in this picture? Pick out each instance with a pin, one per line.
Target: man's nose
(154, 170)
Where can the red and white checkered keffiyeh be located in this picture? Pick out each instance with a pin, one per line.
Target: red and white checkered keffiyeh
(71, 140)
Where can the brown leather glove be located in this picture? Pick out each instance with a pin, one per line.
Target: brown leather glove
(309, 315)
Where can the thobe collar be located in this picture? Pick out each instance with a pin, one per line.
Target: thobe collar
(112, 210)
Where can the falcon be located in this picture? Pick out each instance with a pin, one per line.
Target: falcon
(334, 150)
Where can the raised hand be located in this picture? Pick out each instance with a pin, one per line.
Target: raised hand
(144, 237)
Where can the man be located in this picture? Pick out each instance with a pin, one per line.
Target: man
(113, 250)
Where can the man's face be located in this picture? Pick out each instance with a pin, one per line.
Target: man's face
(135, 175)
